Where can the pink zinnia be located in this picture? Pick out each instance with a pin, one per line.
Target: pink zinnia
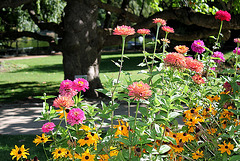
(159, 21)
(124, 30)
(198, 79)
(219, 55)
(66, 89)
(236, 50)
(80, 84)
(237, 40)
(143, 31)
(194, 65)
(75, 116)
(168, 29)
(198, 46)
(48, 127)
(63, 101)
(175, 60)
(139, 90)
(223, 15)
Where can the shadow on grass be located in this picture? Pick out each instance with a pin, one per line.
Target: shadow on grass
(42, 68)
(12, 92)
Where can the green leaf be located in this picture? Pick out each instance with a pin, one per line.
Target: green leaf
(164, 148)
(125, 141)
(173, 115)
(116, 63)
(143, 111)
(235, 158)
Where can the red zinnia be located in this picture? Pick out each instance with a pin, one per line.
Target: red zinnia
(168, 29)
(175, 60)
(159, 21)
(124, 30)
(143, 31)
(194, 65)
(223, 15)
(139, 90)
(198, 79)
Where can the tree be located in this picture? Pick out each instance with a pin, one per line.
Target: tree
(85, 26)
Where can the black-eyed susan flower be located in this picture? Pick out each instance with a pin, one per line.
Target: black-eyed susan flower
(19, 152)
(86, 156)
(185, 137)
(91, 138)
(103, 157)
(85, 128)
(61, 112)
(226, 147)
(122, 129)
(113, 151)
(59, 153)
(41, 139)
(68, 154)
(197, 154)
(212, 131)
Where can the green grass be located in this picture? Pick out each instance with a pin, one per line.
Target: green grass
(8, 142)
(31, 77)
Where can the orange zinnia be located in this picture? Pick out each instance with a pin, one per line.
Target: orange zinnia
(123, 30)
(181, 49)
(139, 90)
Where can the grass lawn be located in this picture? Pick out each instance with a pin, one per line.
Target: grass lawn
(26, 78)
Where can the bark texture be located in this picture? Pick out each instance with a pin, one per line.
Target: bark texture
(81, 46)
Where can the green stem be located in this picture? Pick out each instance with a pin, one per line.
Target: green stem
(164, 43)
(220, 29)
(144, 52)
(155, 47)
(136, 115)
(45, 151)
(235, 74)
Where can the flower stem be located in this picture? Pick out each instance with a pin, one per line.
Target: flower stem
(45, 151)
(235, 74)
(220, 29)
(144, 52)
(155, 47)
(136, 115)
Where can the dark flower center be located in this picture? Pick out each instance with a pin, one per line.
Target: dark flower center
(226, 147)
(192, 111)
(184, 134)
(168, 130)
(92, 134)
(138, 149)
(121, 128)
(86, 138)
(174, 135)
(207, 109)
(67, 110)
(42, 139)
(19, 152)
(59, 152)
(86, 157)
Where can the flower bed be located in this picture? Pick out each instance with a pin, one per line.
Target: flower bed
(211, 122)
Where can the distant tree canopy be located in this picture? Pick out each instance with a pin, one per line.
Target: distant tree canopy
(84, 27)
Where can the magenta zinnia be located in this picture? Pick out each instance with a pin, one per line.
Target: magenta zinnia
(168, 29)
(139, 90)
(80, 84)
(66, 89)
(159, 21)
(75, 116)
(143, 31)
(198, 46)
(63, 101)
(236, 50)
(223, 15)
(48, 127)
(219, 55)
(123, 30)
(175, 60)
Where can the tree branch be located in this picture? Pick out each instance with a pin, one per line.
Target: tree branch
(13, 3)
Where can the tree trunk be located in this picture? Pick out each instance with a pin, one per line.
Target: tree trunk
(80, 45)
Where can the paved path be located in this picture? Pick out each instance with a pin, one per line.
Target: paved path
(19, 118)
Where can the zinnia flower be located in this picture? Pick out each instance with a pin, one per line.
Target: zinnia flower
(19, 152)
(168, 29)
(80, 84)
(226, 147)
(194, 65)
(165, 40)
(40, 139)
(236, 50)
(198, 79)
(143, 31)
(124, 30)
(48, 127)
(219, 55)
(66, 89)
(182, 49)
(139, 90)
(75, 116)
(198, 46)
(175, 60)
(63, 101)
(59, 153)
(237, 40)
(223, 15)
(159, 21)
(86, 156)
